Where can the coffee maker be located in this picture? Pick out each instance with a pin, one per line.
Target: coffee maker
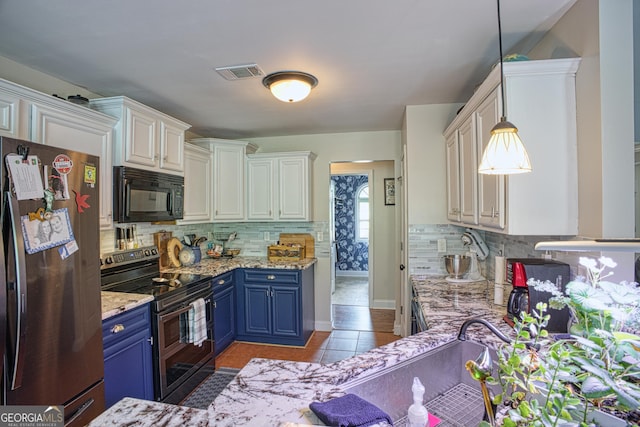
(524, 298)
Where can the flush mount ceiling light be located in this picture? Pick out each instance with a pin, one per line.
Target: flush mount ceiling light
(504, 154)
(290, 86)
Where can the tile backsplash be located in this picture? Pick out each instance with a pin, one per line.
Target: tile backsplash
(424, 257)
(252, 237)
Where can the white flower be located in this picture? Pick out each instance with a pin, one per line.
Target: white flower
(607, 262)
(590, 263)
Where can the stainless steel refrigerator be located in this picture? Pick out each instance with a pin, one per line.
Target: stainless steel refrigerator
(50, 311)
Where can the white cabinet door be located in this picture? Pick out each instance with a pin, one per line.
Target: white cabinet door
(171, 147)
(260, 189)
(228, 182)
(140, 138)
(293, 195)
(144, 138)
(52, 126)
(468, 172)
(453, 178)
(491, 190)
(198, 185)
(10, 116)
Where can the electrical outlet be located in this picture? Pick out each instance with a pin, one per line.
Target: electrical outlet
(266, 236)
(442, 245)
(319, 236)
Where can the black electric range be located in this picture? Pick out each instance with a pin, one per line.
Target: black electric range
(138, 271)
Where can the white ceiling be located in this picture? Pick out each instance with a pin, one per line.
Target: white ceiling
(371, 57)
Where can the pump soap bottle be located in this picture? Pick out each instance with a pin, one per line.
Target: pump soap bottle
(418, 415)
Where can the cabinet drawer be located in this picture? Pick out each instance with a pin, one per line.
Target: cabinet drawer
(124, 325)
(272, 276)
(222, 281)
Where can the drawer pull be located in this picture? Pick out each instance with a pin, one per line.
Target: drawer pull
(117, 328)
(271, 277)
(221, 282)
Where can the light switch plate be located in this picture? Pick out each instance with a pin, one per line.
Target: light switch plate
(319, 236)
(442, 245)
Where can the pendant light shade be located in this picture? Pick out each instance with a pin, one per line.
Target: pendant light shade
(505, 153)
(290, 86)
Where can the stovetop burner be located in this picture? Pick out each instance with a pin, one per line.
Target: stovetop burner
(138, 271)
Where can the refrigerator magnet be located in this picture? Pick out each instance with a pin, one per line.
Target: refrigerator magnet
(81, 201)
(47, 233)
(67, 249)
(25, 176)
(63, 164)
(90, 175)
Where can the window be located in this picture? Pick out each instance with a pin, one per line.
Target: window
(362, 212)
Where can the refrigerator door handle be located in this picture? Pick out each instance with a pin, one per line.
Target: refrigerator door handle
(3, 299)
(17, 365)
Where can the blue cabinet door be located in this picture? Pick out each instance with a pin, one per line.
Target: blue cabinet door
(224, 323)
(128, 370)
(128, 363)
(286, 311)
(256, 313)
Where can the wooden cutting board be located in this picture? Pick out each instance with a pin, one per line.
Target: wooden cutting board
(160, 239)
(303, 239)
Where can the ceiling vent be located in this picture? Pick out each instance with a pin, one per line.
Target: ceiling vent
(237, 72)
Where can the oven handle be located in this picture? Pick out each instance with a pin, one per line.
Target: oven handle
(174, 313)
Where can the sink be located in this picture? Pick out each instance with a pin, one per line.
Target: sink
(450, 392)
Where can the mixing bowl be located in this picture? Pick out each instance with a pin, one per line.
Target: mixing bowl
(457, 265)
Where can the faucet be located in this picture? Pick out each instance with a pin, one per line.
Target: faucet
(462, 335)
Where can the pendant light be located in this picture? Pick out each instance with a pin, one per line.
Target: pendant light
(290, 86)
(504, 154)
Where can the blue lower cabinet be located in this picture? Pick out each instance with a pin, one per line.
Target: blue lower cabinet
(128, 363)
(224, 312)
(276, 306)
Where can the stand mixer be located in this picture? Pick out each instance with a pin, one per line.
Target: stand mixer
(478, 250)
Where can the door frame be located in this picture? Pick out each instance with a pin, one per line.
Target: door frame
(370, 275)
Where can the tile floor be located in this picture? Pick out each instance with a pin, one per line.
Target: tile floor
(322, 347)
(357, 329)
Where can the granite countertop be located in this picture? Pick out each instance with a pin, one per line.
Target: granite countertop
(118, 302)
(275, 392)
(216, 266)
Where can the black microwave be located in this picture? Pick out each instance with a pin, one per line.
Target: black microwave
(146, 196)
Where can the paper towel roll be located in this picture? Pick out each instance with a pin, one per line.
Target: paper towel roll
(498, 294)
(499, 269)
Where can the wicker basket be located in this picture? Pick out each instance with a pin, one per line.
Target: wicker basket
(285, 252)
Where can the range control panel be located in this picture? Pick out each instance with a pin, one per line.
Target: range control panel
(128, 256)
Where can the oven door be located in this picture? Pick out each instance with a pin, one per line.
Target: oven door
(176, 360)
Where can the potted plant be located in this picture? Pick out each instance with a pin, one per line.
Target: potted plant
(573, 379)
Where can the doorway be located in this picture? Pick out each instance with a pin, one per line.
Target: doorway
(360, 229)
(349, 228)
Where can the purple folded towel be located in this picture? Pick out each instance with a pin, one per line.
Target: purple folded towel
(349, 411)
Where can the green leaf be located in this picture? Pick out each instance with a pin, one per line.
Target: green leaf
(594, 388)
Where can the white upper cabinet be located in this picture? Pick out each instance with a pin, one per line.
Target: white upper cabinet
(453, 178)
(541, 103)
(198, 185)
(228, 176)
(34, 116)
(144, 138)
(279, 186)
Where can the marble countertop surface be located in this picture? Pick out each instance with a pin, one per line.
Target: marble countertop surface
(114, 303)
(274, 392)
(118, 302)
(216, 266)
